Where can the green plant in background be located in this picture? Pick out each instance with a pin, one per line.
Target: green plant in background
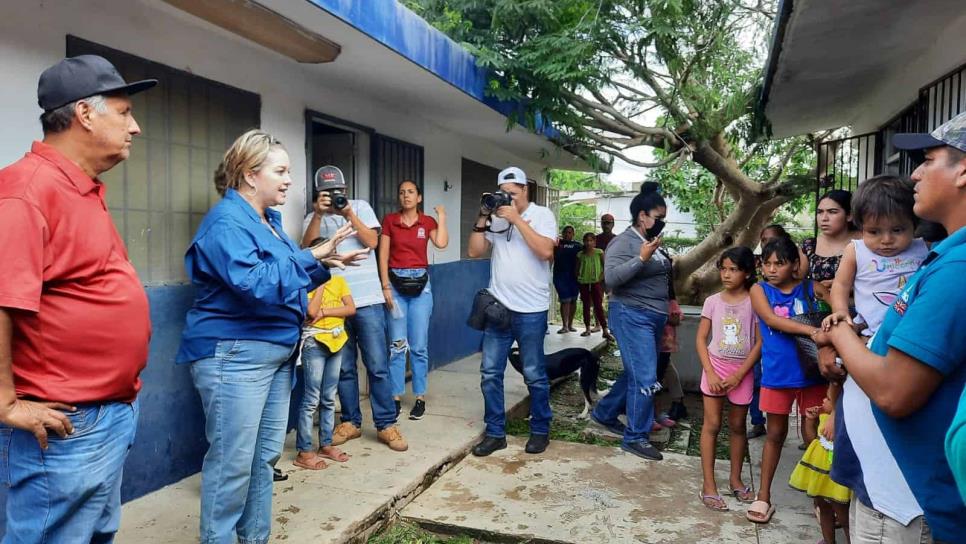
(582, 217)
(679, 79)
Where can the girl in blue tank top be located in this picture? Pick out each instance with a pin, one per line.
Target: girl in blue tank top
(781, 296)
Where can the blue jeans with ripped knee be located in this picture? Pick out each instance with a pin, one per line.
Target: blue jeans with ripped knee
(410, 334)
(638, 332)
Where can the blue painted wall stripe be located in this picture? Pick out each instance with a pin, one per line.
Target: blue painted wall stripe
(171, 443)
(393, 25)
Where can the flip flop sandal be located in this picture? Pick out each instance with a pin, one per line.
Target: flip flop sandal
(318, 464)
(763, 509)
(341, 458)
(585, 333)
(713, 502)
(745, 495)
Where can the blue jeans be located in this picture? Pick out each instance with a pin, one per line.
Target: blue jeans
(410, 333)
(757, 417)
(638, 332)
(70, 492)
(320, 379)
(245, 390)
(528, 330)
(367, 329)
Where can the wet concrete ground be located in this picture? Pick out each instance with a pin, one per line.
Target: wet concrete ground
(576, 493)
(348, 501)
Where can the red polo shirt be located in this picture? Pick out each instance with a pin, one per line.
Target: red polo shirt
(80, 315)
(408, 249)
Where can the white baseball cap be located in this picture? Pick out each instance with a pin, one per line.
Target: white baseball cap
(512, 175)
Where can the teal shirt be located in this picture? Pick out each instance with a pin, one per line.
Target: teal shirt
(956, 446)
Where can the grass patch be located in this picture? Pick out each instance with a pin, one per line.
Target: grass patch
(567, 402)
(406, 533)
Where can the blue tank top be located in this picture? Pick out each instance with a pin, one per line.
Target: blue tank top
(780, 368)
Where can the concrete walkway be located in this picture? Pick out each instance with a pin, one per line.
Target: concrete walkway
(346, 502)
(576, 493)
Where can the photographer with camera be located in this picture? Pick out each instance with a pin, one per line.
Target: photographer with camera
(522, 236)
(367, 328)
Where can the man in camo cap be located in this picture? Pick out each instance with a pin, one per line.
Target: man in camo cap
(900, 399)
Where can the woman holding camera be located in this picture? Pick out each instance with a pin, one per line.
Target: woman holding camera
(403, 267)
(637, 275)
(242, 332)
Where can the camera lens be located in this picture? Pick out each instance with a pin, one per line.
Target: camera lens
(489, 202)
(339, 201)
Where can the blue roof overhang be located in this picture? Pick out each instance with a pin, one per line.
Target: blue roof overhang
(391, 57)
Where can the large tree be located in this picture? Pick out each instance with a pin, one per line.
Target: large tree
(679, 77)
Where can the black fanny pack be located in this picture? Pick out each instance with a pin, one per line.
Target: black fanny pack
(488, 312)
(410, 287)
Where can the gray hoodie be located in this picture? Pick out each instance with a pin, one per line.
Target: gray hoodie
(634, 282)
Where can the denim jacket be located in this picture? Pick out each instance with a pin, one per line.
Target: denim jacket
(249, 285)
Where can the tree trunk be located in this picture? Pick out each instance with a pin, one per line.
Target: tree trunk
(696, 274)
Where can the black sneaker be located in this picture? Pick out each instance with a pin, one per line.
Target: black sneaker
(677, 411)
(398, 407)
(488, 445)
(643, 449)
(616, 427)
(277, 475)
(538, 443)
(756, 431)
(418, 411)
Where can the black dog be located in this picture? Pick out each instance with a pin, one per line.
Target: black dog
(564, 363)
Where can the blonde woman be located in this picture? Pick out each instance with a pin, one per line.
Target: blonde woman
(251, 283)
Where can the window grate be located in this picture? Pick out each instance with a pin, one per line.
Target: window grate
(159, 195)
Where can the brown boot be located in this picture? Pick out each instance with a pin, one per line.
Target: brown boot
(345, 432)
(391, 437)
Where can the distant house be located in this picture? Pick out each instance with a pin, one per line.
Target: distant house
(679, 223)
(877, 66)
(367, 86)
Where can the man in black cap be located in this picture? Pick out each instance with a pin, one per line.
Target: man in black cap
(74, 323)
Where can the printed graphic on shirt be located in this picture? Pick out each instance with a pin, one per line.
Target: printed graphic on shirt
(888, 298)
(421, 233)
(894, 264)
(732, 343)
(902, 304)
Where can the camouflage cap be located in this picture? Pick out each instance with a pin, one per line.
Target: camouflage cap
(951, 133)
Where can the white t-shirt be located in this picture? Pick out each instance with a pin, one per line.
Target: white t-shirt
(518, 278)
(363, 280)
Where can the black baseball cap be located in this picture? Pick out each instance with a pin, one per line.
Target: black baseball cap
(80, 77)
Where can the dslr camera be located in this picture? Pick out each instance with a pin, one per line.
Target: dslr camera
(338, 198)
(491, 201)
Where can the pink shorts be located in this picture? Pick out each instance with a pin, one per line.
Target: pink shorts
(740, 395)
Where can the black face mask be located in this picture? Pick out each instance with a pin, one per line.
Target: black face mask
(655, 230)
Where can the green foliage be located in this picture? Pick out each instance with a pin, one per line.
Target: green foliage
(568, 180)
(582, 217)
(680, 77)
(405, 533)
(693, 188)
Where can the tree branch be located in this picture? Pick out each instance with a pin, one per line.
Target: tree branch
(610, 151)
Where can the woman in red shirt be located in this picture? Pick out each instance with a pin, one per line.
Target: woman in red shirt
(403, 267)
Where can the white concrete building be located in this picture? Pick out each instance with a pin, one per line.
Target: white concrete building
(876, 66)
(366, 85)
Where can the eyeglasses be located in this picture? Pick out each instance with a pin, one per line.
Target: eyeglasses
(606, 222)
